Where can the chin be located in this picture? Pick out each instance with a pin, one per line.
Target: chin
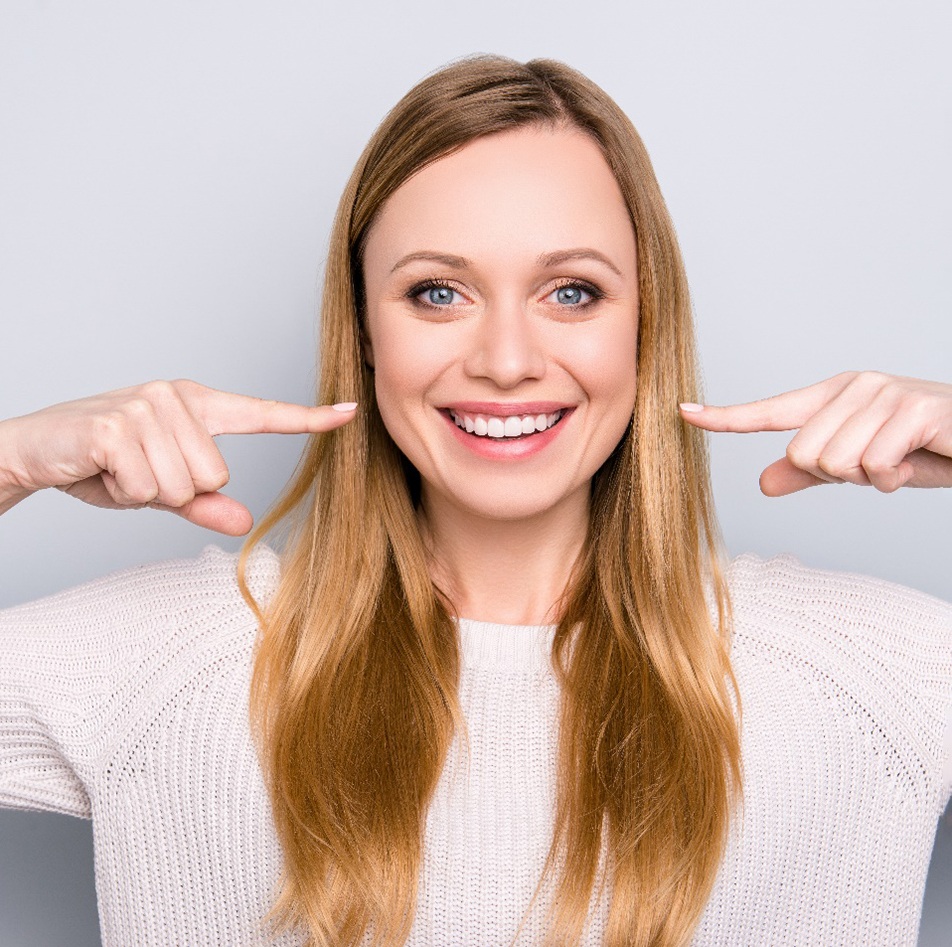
(521, 504)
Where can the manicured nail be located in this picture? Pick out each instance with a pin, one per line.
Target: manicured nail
(691, 407)
(344, 406)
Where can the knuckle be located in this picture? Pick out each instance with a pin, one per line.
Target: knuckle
(179, 497)
(184, 386)
(141, 494)
(878, 465)
(212, 480)
(833, 466)
(922, 410)
(109, 426)
(139, 409)
(874, 379)
(798, 456)
(159, 395)
(875, 467)
(863, 384)
(893, 388)
(220, 478)
(159, 389)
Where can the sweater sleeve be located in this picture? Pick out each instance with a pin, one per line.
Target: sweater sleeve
(885, 648)
(76, 666)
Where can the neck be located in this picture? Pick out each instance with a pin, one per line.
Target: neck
(509, 572)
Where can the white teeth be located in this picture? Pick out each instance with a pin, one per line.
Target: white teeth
(513, 427)
(499, 427)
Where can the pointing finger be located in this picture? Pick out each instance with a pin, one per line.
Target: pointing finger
(783, 412)
(224, 412)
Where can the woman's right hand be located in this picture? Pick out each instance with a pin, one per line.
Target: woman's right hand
(149, 445)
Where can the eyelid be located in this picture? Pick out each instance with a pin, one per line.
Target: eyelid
(588, 287)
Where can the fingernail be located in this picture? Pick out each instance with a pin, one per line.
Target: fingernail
(691, 407)
(345, 406)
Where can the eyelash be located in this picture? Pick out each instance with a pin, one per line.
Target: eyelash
(419, 288)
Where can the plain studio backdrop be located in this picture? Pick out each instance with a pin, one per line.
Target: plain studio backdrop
(168, 175)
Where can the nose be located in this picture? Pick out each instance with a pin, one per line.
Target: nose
(505, 348)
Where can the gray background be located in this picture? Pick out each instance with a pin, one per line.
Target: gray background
(168, 173)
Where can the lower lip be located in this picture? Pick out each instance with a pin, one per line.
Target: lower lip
(507, 448)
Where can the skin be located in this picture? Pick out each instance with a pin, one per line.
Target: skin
(866, 428)
(148, 445)
(503, 534)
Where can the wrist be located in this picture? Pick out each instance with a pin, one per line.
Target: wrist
(12, 490)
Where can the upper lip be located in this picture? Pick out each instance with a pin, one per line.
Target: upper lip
(499, 409)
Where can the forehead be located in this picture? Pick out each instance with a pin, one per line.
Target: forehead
(533, 189)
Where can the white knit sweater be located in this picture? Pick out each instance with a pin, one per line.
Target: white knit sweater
(124, 700)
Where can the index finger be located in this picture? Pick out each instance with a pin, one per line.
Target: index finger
(223, 412)
(783, 412)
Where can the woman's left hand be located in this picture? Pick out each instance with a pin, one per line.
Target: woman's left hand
(868, 428)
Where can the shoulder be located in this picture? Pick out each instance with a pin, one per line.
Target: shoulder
(109, 666)
(139, 613)
(878, 651)
(164, 584)
(789, 591)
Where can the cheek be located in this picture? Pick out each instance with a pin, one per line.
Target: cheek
(604, 363)
(406, 363)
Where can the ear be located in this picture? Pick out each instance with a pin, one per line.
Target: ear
(363, 336)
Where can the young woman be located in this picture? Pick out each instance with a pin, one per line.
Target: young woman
(498, 686)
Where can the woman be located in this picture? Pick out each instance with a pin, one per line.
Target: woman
(508, 539)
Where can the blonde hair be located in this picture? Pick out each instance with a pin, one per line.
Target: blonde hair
(354, 695)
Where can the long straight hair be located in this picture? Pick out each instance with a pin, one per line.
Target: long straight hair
(354, 694)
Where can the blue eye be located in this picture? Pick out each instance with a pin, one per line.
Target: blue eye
(438, 295)
(571, 294)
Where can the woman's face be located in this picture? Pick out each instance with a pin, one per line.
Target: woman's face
(502, 316)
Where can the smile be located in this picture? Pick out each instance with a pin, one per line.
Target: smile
(507, 433)
(521, 425)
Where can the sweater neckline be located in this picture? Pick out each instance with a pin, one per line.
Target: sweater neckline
(495, 646)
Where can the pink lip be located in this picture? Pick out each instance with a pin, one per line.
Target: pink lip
(506, 448)
(503, 410)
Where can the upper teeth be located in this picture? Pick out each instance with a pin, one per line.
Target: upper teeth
(487, 425)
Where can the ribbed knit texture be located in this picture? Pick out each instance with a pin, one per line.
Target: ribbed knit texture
(125, 700)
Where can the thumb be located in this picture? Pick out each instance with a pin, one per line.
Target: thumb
(783, 477)
(213, 511)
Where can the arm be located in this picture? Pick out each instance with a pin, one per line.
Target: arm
(72, 664)
(884, 431)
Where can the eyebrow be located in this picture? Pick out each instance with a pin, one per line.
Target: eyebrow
(544, 260)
